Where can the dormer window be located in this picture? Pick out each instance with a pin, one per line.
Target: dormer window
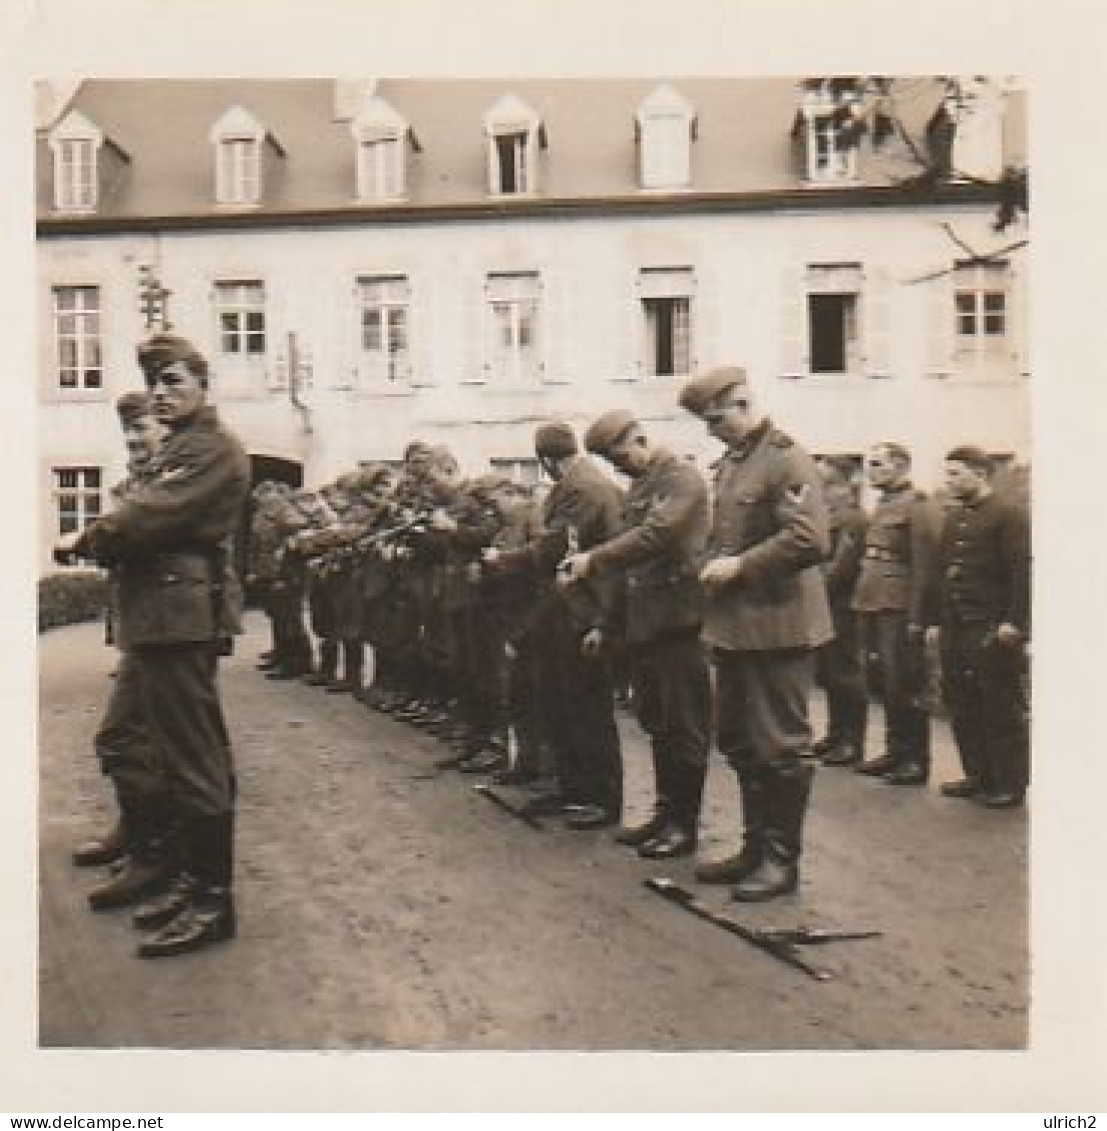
(665, 126)
(827, 128)
(75, 143)
(240, 142)
(515, 134)
(382, 137)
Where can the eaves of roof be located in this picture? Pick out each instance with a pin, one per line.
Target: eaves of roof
(689, 203)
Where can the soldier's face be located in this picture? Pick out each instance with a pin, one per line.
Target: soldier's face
(882, 470)
(143, 435)
(177, 392)
(630, 454)
(962, 481)
(731, 416)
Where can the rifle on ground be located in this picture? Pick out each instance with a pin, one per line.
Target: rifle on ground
(782, 943)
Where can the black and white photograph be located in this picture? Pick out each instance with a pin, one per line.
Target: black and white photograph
(545, 559)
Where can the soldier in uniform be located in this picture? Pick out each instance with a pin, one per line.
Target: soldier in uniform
(839, 660)
(582, 511)
(657, 554)
(900, 544)
(980, 610)
(127, 755)
(167, 540)
(765, 614)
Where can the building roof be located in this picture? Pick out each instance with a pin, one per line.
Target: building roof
(742, 142)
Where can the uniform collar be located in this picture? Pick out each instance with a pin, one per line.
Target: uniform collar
(750, 441)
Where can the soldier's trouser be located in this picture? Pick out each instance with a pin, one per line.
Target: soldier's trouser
(983, 691)
(293, 644)
(672, 697)
(840, 672)
(761, 702)
(123, 741)
(580, 717)
(907, 725)
(180, 702)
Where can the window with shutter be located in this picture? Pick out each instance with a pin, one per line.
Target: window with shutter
(514, 327)
(77, 497)
(384, 321)
(666, 297)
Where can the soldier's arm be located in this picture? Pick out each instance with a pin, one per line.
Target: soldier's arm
(926, 531)
(679, 496)
(1016, 551)
(193, 476)
(844, 563)
(802, 535)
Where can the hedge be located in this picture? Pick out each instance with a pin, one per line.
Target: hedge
(70, 598)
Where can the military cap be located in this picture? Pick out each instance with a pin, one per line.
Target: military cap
(555, 440)
(972, 456)
(132, 406)
(608, 429)
(164, 349)
(698, 393)
(417, 450)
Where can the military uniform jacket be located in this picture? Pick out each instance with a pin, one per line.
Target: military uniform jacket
(847, 547)
(983, 574)
(900, 546)
(769, 510)
(167, 537)
(666, 517)
(583, 509)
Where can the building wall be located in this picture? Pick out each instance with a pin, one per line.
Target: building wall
(749, 270)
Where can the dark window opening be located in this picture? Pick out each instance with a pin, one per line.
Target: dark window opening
(829, 319)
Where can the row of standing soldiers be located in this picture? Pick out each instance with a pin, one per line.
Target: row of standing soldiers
(505, 619)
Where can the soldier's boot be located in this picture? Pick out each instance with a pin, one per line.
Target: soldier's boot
(645, 830)
(205, 912)
(104, 849)
(353, 660)
(327, 672)
(746, 861)
(788, 790)
(150, 865)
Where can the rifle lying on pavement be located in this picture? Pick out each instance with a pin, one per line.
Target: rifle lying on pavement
(519, 812)
(782, 943)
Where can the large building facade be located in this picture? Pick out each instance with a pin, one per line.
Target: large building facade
(366, 262)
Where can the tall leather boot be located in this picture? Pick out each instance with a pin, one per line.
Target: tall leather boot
(107, 847)
(328, 665)
(730, 870)
(206, 911)
(150, 865)
(679, 837)
(353, 659)
(788, 789)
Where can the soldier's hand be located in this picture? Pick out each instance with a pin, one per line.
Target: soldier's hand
(490, 555)
(721, 571)
(591, 644)
(933, 633)
(440, 520)
(65, 549)
(510, 651)
(572, 569)
(1008, 634)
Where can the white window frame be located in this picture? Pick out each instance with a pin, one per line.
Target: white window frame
(511, 121)
(380, 168)
(665, 123)
(513, 313)
(244, 302)
(840, 281)
(670, 291)
(80, 324)
(75, 143)
(826, 163)
(982, 314)
(387, 298)
(238, 179)
(86, 490)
